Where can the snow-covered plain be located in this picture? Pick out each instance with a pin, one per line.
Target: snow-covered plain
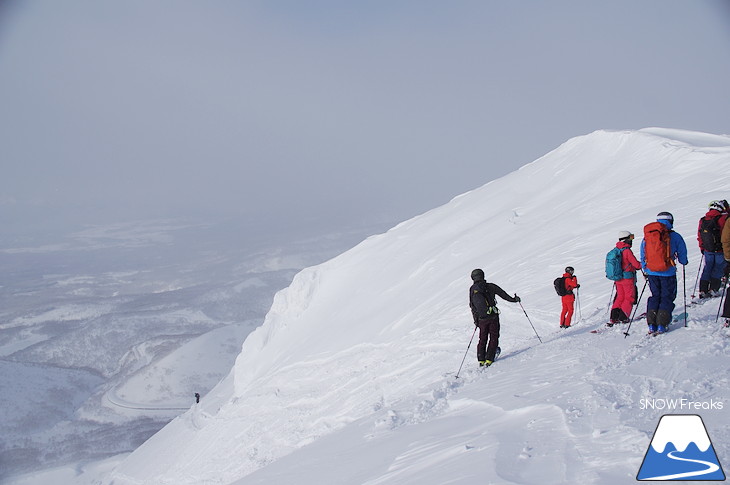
(351, 378)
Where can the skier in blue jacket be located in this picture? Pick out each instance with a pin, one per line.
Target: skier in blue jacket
(663, 284)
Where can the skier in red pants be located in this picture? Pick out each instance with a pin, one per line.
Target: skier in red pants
(571, 282)
(625, 287)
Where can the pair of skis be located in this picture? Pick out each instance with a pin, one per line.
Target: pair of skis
(675, 319)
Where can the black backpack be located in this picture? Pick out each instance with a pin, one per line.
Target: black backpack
(559, 285)
(710, 234)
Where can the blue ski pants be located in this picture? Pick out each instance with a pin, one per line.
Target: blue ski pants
(714, 266)
(663, 293)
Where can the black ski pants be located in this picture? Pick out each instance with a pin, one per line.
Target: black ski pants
(488, 338)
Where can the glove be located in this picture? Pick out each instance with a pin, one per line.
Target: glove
(517, 298)
(577, 286)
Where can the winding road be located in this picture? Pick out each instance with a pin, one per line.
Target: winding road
(113, 399)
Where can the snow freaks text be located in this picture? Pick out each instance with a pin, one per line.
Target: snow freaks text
(682, 404)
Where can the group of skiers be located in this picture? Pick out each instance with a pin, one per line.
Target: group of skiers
(661, 249)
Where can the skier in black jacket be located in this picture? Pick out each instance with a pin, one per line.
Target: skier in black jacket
(483, 304)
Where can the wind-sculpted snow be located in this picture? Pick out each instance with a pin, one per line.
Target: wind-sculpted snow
(355, 360)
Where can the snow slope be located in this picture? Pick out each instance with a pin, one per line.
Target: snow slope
(350, 380)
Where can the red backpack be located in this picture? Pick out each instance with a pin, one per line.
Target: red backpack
(657, 252)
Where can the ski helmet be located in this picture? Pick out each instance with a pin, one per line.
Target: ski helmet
(625, 236)
(716, 205)
(569, 269)
(477, 275)
(665, 216)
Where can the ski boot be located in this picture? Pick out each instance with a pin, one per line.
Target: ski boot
(663, 319)
(705, 289)
(651, 321)
(715, 285)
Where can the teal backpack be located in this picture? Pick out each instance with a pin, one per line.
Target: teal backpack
(614, 264)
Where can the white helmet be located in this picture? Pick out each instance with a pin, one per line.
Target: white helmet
(716, 205)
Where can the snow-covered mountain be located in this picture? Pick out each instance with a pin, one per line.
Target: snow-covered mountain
(680, 431)
(350, 380)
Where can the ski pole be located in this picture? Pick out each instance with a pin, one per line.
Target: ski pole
(722, 297)
(626, 333)
(699, 270)
(467, 351)
(610, 300)
(528, 319)
(577, 300)
(684, 285)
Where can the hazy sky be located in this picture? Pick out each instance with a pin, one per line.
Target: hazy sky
(285, 109)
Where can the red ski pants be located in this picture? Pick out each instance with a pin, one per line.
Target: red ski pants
(625, 295)
(566, 314)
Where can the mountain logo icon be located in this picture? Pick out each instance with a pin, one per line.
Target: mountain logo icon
(681, 450)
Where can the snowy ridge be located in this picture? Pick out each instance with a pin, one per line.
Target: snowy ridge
(357, 356)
